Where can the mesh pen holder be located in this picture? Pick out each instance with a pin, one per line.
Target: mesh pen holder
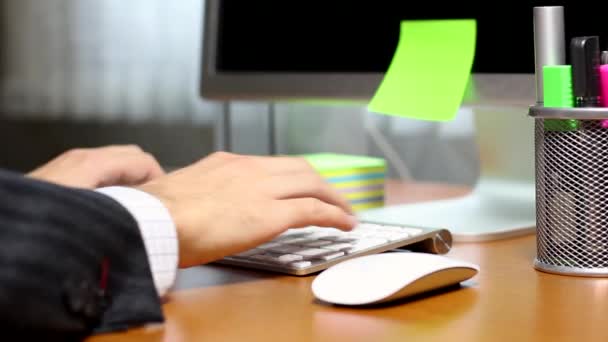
(571, 148)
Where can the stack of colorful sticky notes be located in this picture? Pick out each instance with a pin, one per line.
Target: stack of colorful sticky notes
(359, 178)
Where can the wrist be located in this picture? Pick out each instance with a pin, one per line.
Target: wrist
(156, 191)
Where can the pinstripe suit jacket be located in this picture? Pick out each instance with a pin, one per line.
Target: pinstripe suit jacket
(72, 263)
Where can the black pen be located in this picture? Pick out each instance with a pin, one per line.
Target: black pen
(585, 55)
(604, 58)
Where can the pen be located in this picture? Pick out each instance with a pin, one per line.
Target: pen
(549, 42)
(585, 56)
(557, 92)
(604, 84)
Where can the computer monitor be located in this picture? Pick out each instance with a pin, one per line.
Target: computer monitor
(340, 50)
(281, 50)
(284, 50)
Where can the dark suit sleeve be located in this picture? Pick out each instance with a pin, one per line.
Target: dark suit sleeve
(72, 263)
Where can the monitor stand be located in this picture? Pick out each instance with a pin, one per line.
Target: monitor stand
(502, 203)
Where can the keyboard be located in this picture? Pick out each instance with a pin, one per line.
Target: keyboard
(308, 250)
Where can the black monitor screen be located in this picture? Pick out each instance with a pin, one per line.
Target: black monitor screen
(361, 36)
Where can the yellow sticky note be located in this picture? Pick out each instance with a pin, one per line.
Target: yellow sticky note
(430, 70)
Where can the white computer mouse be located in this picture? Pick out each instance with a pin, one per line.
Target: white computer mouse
(379, 278)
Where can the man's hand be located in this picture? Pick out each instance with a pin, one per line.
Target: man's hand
(96, 167)
(226, 203)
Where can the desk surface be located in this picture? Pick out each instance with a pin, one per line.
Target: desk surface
(507, 301)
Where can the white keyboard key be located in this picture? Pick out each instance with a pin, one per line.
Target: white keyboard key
(371, 235)
(366, 230)
(299, 231)
(318, 243)
(329, 231)
(332, 256)
(263, 257)
(298, 240)
(353, 235)
(300, 264)
(363, 245)
(312, 252)
(357, 248)
(285, 249)
(319, 234)
(338, 247)
(287, 258)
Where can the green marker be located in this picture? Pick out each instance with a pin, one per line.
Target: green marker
(557, 92)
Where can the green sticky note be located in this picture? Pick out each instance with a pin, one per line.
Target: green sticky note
(430, 70)
(330, 161)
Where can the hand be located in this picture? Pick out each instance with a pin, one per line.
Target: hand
(96, 167)
(226, 203)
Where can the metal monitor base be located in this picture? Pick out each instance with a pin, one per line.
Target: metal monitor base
(496, 209)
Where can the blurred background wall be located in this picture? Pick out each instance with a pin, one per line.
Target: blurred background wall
(92, 72)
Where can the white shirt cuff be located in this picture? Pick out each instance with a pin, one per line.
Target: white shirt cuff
(157, 229)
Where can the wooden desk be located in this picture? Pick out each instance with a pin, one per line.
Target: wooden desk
(507, 301)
